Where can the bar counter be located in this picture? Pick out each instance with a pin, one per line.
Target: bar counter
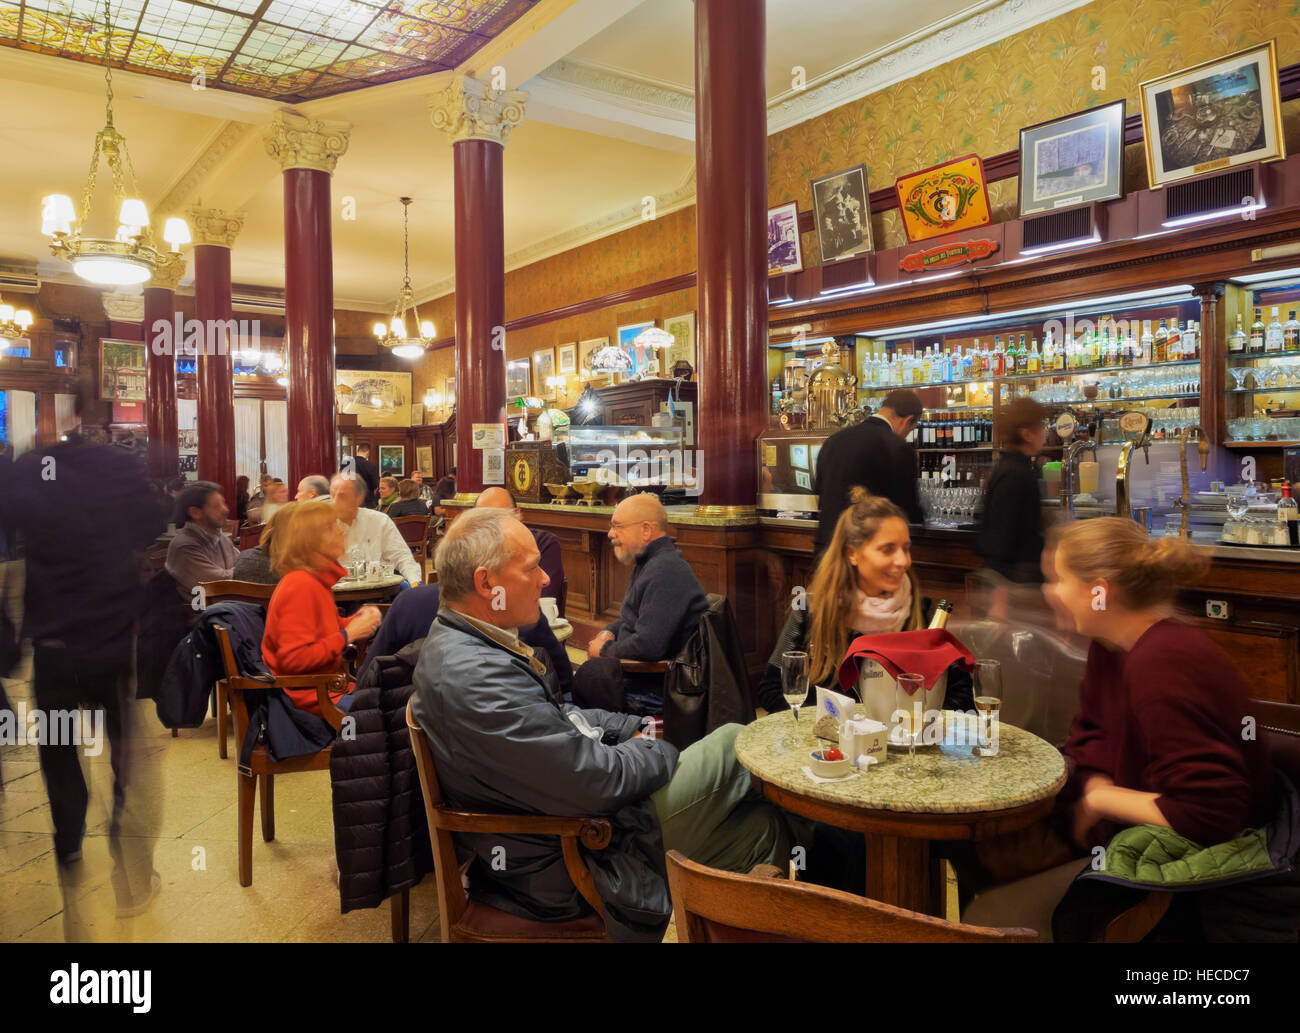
(759, 563)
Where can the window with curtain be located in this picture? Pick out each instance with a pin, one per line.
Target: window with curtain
(248, 439)
(276, 417)
(22, 421)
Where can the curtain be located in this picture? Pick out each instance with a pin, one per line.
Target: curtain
(65, 414)
(22, 421)
(187, 413)
(248, 439)
(276, 415)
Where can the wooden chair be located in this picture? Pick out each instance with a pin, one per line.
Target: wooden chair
(231, 592)
(415, 532)
(1278, 727)
(469, 921)
(262, 770)
(712, 906)
(250, 535)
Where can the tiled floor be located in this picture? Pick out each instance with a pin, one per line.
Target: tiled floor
(294, 895)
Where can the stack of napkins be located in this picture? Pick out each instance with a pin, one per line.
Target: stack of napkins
(863, 741)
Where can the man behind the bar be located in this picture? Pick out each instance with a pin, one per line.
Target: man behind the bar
(661, 609)
(369, 474)
(500, 744)
(875, 454)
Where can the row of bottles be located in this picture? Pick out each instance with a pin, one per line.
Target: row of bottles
(954, 428)
(1274, 336)
(1110, 345)
(958, 470)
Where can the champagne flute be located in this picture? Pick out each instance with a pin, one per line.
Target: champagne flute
(911, 695)
(794, 686)
(988, 701)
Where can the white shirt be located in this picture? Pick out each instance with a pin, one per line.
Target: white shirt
(376, 537)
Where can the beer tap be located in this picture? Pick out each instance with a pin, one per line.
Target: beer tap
(1069, 479)
(1136, 426)
(1196, 431)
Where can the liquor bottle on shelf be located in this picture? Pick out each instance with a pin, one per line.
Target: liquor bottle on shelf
(1159, 351)
(1257, 333)
(970, 362)
(1291, 333)
(1129, 352)
(1237, 339)
(1174, 345)
(1273, 333)
(1035, 359)
(1022, 357)
(1148, 343)
(1192, 340)
(996, 357)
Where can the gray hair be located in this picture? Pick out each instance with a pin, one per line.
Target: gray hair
(476, 539)
(358, 485)
(320, 485)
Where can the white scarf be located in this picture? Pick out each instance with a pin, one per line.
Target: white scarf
(875, 615)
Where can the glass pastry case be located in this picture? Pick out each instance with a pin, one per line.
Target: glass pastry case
(631, 457)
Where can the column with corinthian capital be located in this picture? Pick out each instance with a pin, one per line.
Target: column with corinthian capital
(478, 120)
(307, 150)
(160, 369)
(214, 235)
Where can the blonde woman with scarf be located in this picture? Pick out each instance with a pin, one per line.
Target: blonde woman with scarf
(863, 585)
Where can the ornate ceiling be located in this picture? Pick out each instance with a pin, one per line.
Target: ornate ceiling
(287, 50)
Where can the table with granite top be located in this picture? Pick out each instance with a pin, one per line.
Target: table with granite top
(950, 795)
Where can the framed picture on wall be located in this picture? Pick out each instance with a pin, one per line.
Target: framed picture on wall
(1073, 160)
(377, 398)
(944, 198)
(567, 361)
(449, 392)
(543, 367)
(516, 379)
(586, 349)
(842, 210)
(424, 459)
(627, 336)
(121, 370)
(683, 347)
(417, 414)
(784, 253)
(1213, 115)
(392, 460)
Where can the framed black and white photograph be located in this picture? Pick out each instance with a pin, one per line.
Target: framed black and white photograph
(1074, 160)
(516, 379)
(784, 254)
(842, 210)
(1213, 116)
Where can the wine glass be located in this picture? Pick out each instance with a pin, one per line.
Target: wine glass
(911, 697)
(988, 701)
(794, 687)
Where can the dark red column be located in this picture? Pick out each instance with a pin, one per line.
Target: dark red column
(309, 322)
(731, 229)
(160, 382)
(480, 300)
(216, 371)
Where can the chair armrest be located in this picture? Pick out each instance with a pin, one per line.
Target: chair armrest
(766, 871)
(644, 666)
(593, 833)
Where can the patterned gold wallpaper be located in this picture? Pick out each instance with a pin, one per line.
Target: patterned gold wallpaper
(975, 103)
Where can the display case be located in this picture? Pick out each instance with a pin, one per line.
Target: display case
(1262, 353)
(635, 457)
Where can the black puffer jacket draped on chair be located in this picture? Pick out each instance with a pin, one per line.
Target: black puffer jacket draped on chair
(381, 836)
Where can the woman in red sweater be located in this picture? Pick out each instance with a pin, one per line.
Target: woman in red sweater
(304, 632)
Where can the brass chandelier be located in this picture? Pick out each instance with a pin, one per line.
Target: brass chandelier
(130, 256)
(393, 336)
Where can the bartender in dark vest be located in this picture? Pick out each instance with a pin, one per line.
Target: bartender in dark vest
(875, 454)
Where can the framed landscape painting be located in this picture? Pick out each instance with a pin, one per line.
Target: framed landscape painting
(1073, 160)
(121, 370)
(1213, 116)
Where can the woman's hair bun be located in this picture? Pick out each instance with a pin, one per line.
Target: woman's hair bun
(858, 494)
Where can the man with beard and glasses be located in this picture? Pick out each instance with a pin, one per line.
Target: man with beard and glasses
(661, 609)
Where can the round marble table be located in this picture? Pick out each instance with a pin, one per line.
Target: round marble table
(368, 590)
(951, 795)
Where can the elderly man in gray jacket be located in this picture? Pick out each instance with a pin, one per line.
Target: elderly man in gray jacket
(502, 744)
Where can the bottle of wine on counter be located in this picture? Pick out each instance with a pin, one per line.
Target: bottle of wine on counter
(941, 614)
(1288, 515)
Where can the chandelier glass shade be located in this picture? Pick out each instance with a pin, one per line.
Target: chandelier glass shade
(130, 256)
(393, 336)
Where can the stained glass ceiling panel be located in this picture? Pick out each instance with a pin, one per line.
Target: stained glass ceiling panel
(287, 50)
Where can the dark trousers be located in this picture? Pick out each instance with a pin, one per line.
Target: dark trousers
(64, 680)
(600, 684)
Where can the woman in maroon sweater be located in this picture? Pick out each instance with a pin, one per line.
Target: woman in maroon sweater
(1159, 735)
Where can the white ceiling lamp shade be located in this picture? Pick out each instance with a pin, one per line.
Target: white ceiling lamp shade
(393, 337)
(129, 256)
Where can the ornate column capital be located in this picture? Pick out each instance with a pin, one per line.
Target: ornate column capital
(299, 142)
(168, 275)
(472, 110)
(215, 226)
(123, 307)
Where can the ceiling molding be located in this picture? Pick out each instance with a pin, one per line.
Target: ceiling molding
(614, 222)
(929, 47)
(635, 90)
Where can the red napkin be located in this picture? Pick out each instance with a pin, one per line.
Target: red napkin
(928, 653)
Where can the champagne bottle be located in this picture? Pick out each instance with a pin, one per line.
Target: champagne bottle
(941, 614)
